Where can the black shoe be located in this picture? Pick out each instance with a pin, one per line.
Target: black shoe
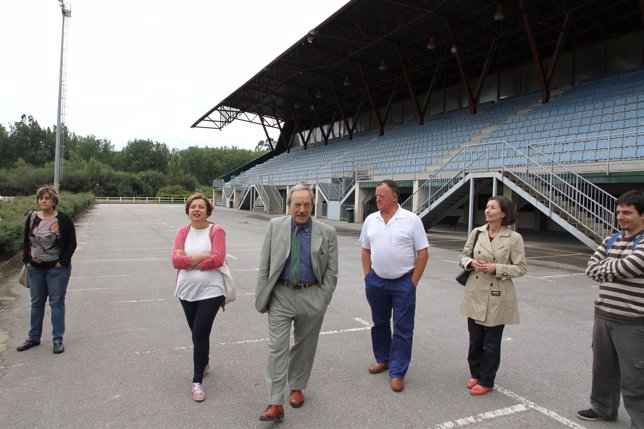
(27, 345)
(592, 416)
(58, 347)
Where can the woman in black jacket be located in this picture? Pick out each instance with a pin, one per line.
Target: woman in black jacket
(49, 243)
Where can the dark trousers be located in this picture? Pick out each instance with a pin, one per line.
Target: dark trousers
(618, 366)
(484, 355)
(397, 296)
(200, 316)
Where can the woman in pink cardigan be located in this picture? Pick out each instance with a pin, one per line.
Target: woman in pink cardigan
(199, 250)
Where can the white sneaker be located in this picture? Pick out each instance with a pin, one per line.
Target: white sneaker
(197, 392)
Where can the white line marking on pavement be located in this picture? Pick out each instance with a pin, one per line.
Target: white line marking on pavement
(539, 408)
(251, 341)
(107, 276)
(557, 275)
(363, 322)
(231, 256)
(104, 260)
(556, 255)
(464, 421)
(139, 300)
(15, 365)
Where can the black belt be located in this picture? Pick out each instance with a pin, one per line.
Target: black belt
(297, 286)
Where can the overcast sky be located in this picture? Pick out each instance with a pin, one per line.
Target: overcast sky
(145, 69)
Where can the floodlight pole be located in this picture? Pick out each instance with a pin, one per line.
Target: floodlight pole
(66, 10)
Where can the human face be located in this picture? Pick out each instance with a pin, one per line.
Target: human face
(493, 213)
(629, 220)
(45, 202)
(198, 211)
(301, 206)
(386, 200)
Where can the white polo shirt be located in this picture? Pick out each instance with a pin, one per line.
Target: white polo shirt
(393, 245)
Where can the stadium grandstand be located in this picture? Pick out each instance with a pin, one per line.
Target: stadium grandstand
(541, 101)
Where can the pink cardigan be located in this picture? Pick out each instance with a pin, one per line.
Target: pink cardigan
(215, 260)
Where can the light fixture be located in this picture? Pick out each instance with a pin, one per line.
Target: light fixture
(382, 66)
(498, 15)
(311, 36)
(454, 49)
(431, 45)
(346, 81)
(318, 94)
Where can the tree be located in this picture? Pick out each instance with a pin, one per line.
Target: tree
(30, 142)
(265, 145)
(142, 155)
(91, 147)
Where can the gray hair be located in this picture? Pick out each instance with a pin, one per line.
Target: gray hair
(298, 188)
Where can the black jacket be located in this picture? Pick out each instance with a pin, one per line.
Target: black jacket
(67, 241)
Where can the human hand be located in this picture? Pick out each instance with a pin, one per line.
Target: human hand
(483, 267)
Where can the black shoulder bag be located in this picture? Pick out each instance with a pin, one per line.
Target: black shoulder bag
(463, 275)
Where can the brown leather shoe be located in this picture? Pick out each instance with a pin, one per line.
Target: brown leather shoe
(472, 382)
(479, 390)
(397, 384)
(377, 368)
(273, 413)
(297, 398)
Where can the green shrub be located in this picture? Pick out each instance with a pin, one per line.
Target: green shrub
(173, 191)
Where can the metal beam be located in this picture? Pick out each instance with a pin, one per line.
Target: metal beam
(536, 56)
(461, 67)
(559, 47)
(371, 100)
(410, 87)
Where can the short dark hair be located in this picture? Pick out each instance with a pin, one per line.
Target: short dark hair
(199, 196)
(392, 185)
(507, 207)
(49, 190)
(633, 198)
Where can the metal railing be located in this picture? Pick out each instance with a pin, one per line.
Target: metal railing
(142, 200)
(555, 186)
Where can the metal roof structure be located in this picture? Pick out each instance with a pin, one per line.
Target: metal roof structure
(373, 53)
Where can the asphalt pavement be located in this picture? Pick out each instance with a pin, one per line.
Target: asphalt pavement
(128, 358)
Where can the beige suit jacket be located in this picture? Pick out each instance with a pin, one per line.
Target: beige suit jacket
(276, 249)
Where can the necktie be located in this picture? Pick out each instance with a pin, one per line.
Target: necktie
(295, 257)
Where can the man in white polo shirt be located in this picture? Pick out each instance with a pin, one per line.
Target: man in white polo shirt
(394, 255)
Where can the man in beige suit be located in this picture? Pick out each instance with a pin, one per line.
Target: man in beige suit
(298, 272)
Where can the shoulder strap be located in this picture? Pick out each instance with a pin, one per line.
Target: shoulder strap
(613, 238)
(476, 237)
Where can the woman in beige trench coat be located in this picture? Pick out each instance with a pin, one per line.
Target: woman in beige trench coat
(495, 255)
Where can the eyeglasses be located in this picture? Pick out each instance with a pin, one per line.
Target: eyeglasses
(306, 206)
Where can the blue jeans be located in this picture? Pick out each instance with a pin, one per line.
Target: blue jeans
(50, 283)
(385, 296)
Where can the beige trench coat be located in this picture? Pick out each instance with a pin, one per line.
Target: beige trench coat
(490, 299)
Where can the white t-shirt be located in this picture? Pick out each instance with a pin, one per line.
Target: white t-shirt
(194, 284)
(393, 245)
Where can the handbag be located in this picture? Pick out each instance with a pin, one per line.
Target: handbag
(23, 279)
(463, 275)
